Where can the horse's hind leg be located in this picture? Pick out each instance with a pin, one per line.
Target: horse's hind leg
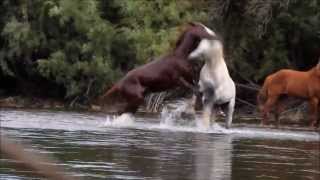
(207, 113)
(313, 107)
(134, 104)
(208, 102)
(318, 123)
(134, 97)
(196, 101)
(230, 112)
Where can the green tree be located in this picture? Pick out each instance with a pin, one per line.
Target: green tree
(264, 36)
(83, 46)
(147, 29)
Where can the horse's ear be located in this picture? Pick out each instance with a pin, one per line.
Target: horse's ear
(202, 33)
(317, 68)
(192, 23)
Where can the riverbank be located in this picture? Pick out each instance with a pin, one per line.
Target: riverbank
(31, 102)
(27, 102)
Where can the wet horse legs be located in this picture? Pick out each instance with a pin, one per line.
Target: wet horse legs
(230, 112)
(134, 98)
(313, 108)
(278, 109)
(208, 102)
(267, 107)
(207, 113)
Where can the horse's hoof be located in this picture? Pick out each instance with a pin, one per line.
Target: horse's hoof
(95, 108)
(228, 126)
(313, 126)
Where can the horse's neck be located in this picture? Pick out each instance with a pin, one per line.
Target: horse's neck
(217, 65)
(185, 47)
(314, 72)
(182, 51)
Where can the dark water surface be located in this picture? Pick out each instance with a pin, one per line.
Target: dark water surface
(97, 146)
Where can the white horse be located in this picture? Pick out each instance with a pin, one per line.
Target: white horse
(215, 82)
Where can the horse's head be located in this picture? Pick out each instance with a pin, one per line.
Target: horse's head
(316, 69)
(191, 37)
(200, 27)
(207, 49)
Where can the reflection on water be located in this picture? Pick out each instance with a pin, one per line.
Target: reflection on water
(213, 158)
(95, 147)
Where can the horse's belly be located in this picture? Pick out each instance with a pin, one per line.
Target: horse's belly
(297, 89)
(223, 97)
(160, 86)
(225, 92)
(206, 84)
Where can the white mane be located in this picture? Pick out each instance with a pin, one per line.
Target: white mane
(209, 31)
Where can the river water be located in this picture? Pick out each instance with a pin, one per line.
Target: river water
(99, 146)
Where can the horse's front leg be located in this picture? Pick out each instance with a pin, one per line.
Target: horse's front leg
(207, 113)
(278, 110)
(189, 85)
(267, 107)
(134, 97)
(230, 112)
(198, 101)
(313, 106)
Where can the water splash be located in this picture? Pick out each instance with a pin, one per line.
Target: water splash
(177, 116)
(173, 118)
(170, 120)
(154, 100)
(124, 120)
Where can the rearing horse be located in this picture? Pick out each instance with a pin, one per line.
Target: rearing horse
(215, 82)
(165, 73)
(303, 84)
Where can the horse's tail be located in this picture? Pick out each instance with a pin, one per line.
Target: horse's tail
(110, 92)
(101, 99)
(262, 95)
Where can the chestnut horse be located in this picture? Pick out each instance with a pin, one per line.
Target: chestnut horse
(286, 82)
(165, 73)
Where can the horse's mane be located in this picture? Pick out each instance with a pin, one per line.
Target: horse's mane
(182, 29)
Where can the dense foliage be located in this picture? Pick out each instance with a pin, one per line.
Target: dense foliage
(81, 46)
(75, 49)
(263, 36)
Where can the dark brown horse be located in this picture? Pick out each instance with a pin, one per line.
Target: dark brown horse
(286, 82)
(167, 72)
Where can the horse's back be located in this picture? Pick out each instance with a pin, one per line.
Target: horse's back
(287, 81)
(153, 68)
(286, 75)
(158, 75)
